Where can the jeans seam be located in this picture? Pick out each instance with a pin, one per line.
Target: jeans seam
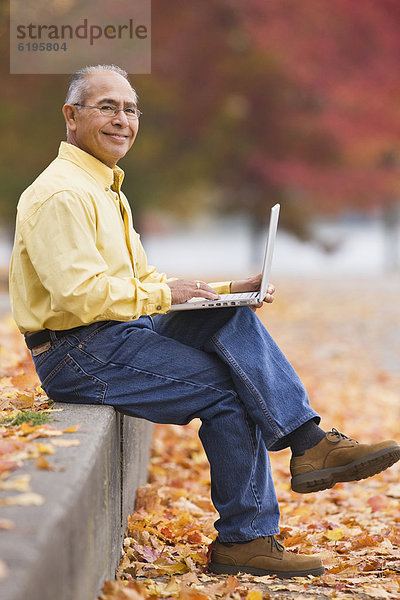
(249, 385)
(90, 355)
(91, 334)
(164, 377)
(40, 358)
(253, 486)
(67, 360)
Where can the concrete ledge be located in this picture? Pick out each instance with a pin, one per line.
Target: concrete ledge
(65, 548)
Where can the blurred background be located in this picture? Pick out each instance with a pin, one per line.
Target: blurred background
(248, 104)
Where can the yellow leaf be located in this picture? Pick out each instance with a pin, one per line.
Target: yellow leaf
(72, 429)
(26, 428)
(334, 534)
(18, 484)
(28, 499)
(254, 594)
(45, 448)
(24, 400)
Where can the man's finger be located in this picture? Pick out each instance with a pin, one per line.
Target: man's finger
(269, 298)
(203, 290)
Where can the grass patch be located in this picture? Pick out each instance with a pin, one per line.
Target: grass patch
(26, 416)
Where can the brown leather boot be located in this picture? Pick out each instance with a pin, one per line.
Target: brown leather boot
(339, 458)
(263, 556)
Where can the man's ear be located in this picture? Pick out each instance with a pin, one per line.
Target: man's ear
(70, 113)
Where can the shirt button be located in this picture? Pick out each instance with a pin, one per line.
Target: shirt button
(158, 307)
(107, 189)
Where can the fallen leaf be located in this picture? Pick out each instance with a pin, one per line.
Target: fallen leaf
(28, 378)
(3, 570)
(28, 499)
(378, 502)
(23, 400)
(42, 463)
(255, 594)
(17, 484)
(334, 534)
(62, 443)
(196, 538)
(7, 524)
(45, 448)
(149, 554)
(72, 429)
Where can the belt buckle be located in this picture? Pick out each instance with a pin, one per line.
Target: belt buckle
(40, 349)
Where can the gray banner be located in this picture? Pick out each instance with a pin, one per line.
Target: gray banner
(62, 36)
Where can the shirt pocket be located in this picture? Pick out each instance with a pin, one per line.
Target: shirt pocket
(69, 382)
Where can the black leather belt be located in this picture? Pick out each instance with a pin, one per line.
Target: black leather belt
(41, 337)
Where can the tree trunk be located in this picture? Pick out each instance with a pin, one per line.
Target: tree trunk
(391, 232)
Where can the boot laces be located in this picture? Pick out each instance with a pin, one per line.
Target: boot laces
(275, 545)
(341, 436)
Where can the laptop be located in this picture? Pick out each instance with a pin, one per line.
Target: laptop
(243, 298)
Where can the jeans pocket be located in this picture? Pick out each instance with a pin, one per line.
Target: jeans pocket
(69, 382)
(52, 351)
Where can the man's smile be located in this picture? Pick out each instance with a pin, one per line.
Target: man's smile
(117, 136)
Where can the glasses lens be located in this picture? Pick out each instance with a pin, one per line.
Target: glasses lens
(132, 113)
(106, 111)
(111, 111)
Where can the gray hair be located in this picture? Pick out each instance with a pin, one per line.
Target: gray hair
(79, 85)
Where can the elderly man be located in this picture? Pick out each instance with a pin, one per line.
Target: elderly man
(94, 317)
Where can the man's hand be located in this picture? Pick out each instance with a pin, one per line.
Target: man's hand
(184, 289)
(252, 284)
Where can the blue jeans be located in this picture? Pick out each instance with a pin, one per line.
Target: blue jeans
(219, 365)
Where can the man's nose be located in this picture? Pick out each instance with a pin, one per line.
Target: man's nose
(120, 118)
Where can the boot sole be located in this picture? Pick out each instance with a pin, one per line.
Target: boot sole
(361, 468)
(221, 569)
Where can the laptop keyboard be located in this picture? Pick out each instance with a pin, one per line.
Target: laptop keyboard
(242, 296)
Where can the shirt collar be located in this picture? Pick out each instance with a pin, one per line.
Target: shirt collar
(108, 177)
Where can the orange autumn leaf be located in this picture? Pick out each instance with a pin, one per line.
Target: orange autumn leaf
(28, 378)
(187, 593)
(112, 590)
(194, 538)
(7, 465)
(167, 532)
(26, 428)
(72, 429)
(42, 463)
(366, 540)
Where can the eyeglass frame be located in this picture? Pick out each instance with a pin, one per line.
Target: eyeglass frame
(116, 110)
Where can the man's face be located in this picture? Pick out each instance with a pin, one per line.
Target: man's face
(106, 138)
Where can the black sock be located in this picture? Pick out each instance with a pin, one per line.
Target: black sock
(304, 437)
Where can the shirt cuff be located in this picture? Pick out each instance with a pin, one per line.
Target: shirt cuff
(160, 300)
(221, 287)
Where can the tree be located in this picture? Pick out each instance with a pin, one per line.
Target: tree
(247, 104)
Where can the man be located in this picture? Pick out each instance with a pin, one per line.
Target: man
(94, 316)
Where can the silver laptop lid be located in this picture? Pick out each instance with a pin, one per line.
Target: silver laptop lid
(269, 250)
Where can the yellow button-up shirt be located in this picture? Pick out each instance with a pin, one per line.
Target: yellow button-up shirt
(77, 258)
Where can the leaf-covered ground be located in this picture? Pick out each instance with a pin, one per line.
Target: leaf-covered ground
(26, 433)
(343, 337)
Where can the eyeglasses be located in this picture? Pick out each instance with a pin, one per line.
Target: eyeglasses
(111, 111)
